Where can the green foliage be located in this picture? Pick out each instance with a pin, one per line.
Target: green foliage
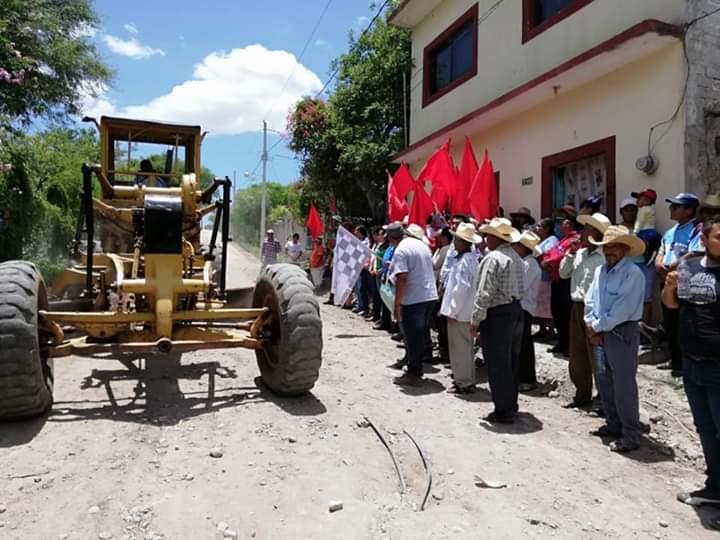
(346, 143)
(40, 193)
(245, 213)
(47, 61)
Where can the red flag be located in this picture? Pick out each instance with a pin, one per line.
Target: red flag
(314, 223)
(403, 181)
(440, 172)
(460, 203)
(397, 207)
(483, 194)
(421, 207)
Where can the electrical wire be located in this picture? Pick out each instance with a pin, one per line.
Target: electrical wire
(401, 478)
(364, 32)
(428, 472)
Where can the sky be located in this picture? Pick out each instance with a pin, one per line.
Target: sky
(225, 65)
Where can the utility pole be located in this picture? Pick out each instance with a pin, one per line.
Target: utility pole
(263, 200)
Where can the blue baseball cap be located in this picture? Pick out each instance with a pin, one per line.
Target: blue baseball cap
(685, 199)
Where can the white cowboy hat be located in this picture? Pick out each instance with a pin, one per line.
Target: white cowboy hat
(417, 232)
(529, 239)
(712, 200)
(599, 222)
(501, 228)
(617, 234)
(466, 231)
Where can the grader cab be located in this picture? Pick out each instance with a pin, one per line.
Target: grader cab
(150, 285)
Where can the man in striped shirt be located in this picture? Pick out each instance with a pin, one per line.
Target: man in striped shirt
(271, 248)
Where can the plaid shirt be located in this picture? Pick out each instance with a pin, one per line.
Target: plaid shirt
(270, 251)
(500, 281)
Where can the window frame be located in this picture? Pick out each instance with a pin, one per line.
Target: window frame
(530, 31)
(604, 147)
(470, 16)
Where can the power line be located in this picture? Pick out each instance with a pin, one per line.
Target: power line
(364, 32)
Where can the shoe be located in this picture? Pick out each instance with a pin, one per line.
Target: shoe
(408, 379)
(495, 418)
(604, 431)
(578, 404)
(396, 337)
(699, 497)
(622, 447)
(357, 310)
(400, 363)
(380, 326)
(329, 302)
(665, 366)
(527, 387)
(460, 390)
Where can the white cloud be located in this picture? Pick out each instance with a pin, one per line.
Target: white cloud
(131, 47)
(229, 93)
(321, 43)
(130, 27)
(84, 30)
(362, 21)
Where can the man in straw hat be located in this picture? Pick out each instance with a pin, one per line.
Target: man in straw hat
(457, 308)
(613, 309)
(415, 297)
(525, 248)
(580, 265)
(694, 290)
(498, 316)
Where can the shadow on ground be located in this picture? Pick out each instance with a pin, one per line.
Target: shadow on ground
(158, 399)
(524, 424)
(20, 432)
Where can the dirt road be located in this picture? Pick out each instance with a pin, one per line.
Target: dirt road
(126, 454)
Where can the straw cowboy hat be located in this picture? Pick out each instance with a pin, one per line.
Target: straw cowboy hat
(712, 201)
(501, 228)
(417, 232)
(599, 222)
(466, 231)
(617, 234)
(529, 239)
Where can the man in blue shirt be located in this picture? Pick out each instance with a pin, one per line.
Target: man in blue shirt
(613, 309)
(674, 246)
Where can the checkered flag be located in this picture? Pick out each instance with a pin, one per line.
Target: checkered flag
(351, 256)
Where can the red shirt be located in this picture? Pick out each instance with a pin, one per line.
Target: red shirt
(553, 257)
(317, 256)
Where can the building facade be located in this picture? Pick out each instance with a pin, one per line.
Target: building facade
(569, 97)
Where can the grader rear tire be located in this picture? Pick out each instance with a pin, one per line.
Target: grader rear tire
(290, 364)
(26, 376)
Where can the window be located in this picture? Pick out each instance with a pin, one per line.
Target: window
(570, 177)
(539, 15)
(451, 59)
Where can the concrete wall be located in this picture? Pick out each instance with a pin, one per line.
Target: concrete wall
(702, 106)
(504, 62)
(624, 104)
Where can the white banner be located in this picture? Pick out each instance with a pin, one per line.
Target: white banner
(351, 256)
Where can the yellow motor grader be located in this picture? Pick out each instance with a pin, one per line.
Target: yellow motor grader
(149, 285)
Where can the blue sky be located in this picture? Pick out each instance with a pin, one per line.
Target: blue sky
(221, 64)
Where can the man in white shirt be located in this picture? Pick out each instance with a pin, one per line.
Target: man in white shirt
(415, 297)
(457, 306)
(580, 265)
(294, 249)
(525, 247)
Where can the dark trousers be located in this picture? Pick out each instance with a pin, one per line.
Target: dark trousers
(377, 302)
(671, 325)
(501, 333)
(415, 325)
(560, 303)
(582, 356)
(617, 380)
(527, 352)
(702, 386)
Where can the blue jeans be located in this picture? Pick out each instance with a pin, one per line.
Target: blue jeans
(362, 289)
(415, 323)
(702, 386)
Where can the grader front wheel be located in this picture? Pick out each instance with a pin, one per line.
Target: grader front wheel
(290, 363)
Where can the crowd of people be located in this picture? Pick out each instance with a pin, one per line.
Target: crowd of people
(580, 280)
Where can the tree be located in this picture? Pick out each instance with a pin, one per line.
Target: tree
(245, 213)
(47, 61)
(347, 141)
